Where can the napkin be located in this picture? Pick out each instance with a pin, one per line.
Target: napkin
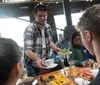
(95, 72)
(81, 81)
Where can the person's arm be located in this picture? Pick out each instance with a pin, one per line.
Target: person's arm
(73, 56)
(34, 56)
(29, 42)
(28, 45)
(76, 62)
(54, 47)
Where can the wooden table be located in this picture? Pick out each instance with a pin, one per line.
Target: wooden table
(45, 76)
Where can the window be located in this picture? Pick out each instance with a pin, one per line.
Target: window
(14, 28)
(60, 21)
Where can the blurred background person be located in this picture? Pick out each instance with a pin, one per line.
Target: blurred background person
(11, 64)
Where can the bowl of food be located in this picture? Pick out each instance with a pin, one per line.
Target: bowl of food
(28, 81)
(51, 80)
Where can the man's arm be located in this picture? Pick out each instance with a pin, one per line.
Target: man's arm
(73, 56)
(32, 55)
(28, 45)
(54, 47)
(29, 42)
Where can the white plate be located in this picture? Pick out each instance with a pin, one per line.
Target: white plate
(69, 52)
(95, 72)
(49, 67)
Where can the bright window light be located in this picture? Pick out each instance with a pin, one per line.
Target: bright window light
(13, 28)
(75, 17)
(60, 21)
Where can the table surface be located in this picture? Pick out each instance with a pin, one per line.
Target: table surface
(45, 76)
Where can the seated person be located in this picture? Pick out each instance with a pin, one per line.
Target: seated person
(11, 66)
(79, 52)
(86, 54)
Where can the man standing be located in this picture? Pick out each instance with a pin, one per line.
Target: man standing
(37, 41)
(89, 27)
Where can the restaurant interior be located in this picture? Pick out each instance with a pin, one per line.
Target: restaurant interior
(15, 16)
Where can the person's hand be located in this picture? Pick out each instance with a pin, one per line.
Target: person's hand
(40, 63)
(58, 49)
(90, 76)
(87, 73)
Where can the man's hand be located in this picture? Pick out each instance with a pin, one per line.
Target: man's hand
(40, 63)
(57, 49)
(53, 46)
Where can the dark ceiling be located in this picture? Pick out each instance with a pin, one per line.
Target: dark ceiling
(25, 9)
(45, 1)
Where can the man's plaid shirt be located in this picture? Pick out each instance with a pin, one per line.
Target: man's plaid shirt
(33, 38)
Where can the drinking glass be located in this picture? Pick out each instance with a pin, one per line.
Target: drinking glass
(72, 70)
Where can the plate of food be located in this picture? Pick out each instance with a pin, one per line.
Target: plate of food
(59, 80)
(28, 81)
(65, 52)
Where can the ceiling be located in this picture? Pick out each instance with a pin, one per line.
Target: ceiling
(45, 1)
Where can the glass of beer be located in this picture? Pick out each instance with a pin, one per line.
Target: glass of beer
(72, 69)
